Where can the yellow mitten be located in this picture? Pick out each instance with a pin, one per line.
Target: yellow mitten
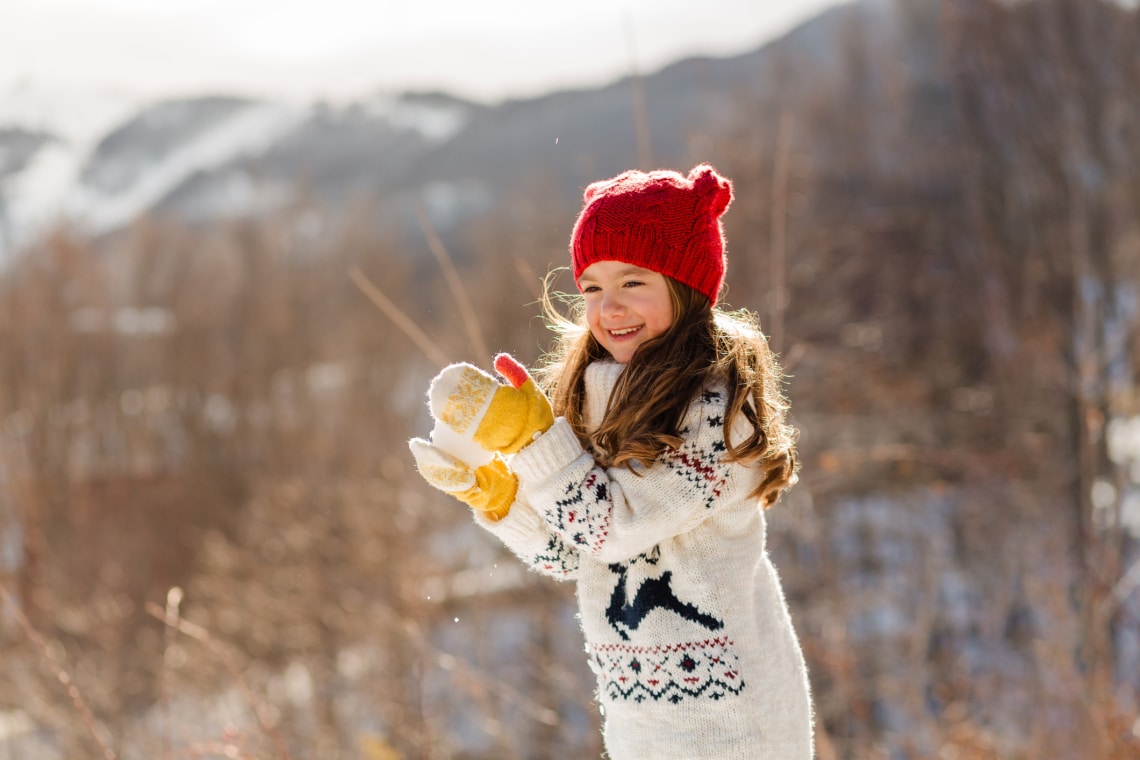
(476, 407)
(489, 488)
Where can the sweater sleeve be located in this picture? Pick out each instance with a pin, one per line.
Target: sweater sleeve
(525, 533)
(614, 514)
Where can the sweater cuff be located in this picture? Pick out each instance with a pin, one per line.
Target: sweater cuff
(520, 523)
(554, 450)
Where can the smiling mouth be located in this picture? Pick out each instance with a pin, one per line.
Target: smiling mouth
(623, 332)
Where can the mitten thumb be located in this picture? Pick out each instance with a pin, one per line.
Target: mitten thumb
(513, 372)
(518, 413)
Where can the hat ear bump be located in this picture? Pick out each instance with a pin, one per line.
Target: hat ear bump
(714, 192)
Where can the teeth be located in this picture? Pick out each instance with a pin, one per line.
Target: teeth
(626, 331)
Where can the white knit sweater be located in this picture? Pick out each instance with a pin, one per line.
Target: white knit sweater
(684, 619)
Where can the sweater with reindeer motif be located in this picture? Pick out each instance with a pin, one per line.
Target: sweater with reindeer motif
(686, 626)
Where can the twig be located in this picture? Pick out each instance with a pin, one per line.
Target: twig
(173, 601)
(454, 284)
(1121, 590)
(485, 679)
(61, 674)
(529, 277)
(779, 231)
(640, 109)
(398, 317)
(256, 705)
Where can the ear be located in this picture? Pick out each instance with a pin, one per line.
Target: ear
(714, 192)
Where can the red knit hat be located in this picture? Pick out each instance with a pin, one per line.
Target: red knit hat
(661, 221)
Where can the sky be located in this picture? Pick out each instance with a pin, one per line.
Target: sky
(305, 50)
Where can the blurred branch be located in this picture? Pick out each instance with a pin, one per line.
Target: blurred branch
(1123, 589)
(778, 291)
(256, 705)
(640, 109)
(532, 280)
(454, 284)
(61, 674)
(401, 320)
(473, 679)
(173, 601)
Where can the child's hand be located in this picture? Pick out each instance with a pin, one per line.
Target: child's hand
(489, 489)
(500, 418)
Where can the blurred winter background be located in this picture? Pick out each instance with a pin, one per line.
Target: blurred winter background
(237, 238)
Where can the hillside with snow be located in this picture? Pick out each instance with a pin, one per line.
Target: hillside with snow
(96, 163)
(99, 164)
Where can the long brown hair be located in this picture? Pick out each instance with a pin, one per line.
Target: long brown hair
(702, 347)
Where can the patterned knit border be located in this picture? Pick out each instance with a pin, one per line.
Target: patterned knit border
(707, 669)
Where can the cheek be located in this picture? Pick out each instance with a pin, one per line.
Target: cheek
(661, 317)
(592, 312)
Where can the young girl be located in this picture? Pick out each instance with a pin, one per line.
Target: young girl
(642, 478)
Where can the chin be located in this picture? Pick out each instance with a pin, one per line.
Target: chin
(622, 357)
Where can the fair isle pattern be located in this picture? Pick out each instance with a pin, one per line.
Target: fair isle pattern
(467, 399)
(703, 473)
(669, 672)
(701, 468)
(583, 514)
(556, 559)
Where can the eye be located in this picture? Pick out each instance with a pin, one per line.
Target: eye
(590, 289)
(632, 283)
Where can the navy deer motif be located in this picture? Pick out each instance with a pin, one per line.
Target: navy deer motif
(653, 593)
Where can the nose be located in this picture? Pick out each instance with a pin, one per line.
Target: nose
(612, 304)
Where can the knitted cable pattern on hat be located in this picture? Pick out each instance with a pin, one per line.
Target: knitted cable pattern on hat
(660, 220)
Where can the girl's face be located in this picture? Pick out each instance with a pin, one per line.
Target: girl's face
(625, 306)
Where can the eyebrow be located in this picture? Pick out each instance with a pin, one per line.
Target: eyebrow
(631, 269)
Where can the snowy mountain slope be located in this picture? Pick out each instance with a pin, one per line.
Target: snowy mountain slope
(43, 135)
(203, 158)
(74, 117)
(143, 181)
(219, 157)
(18, 146)
(104, 186)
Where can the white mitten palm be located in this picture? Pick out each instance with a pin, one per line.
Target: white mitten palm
(489, 488)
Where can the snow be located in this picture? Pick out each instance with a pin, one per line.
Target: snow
(1123, 438)
(78, 118)
(48, 191)
(235, 193)
(437, 122)
(15, 723)
(35, 195)
(447, 202)
(247, 132)
(327, 377)
(127, 320)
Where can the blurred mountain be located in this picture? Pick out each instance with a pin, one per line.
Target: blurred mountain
(97, 165)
